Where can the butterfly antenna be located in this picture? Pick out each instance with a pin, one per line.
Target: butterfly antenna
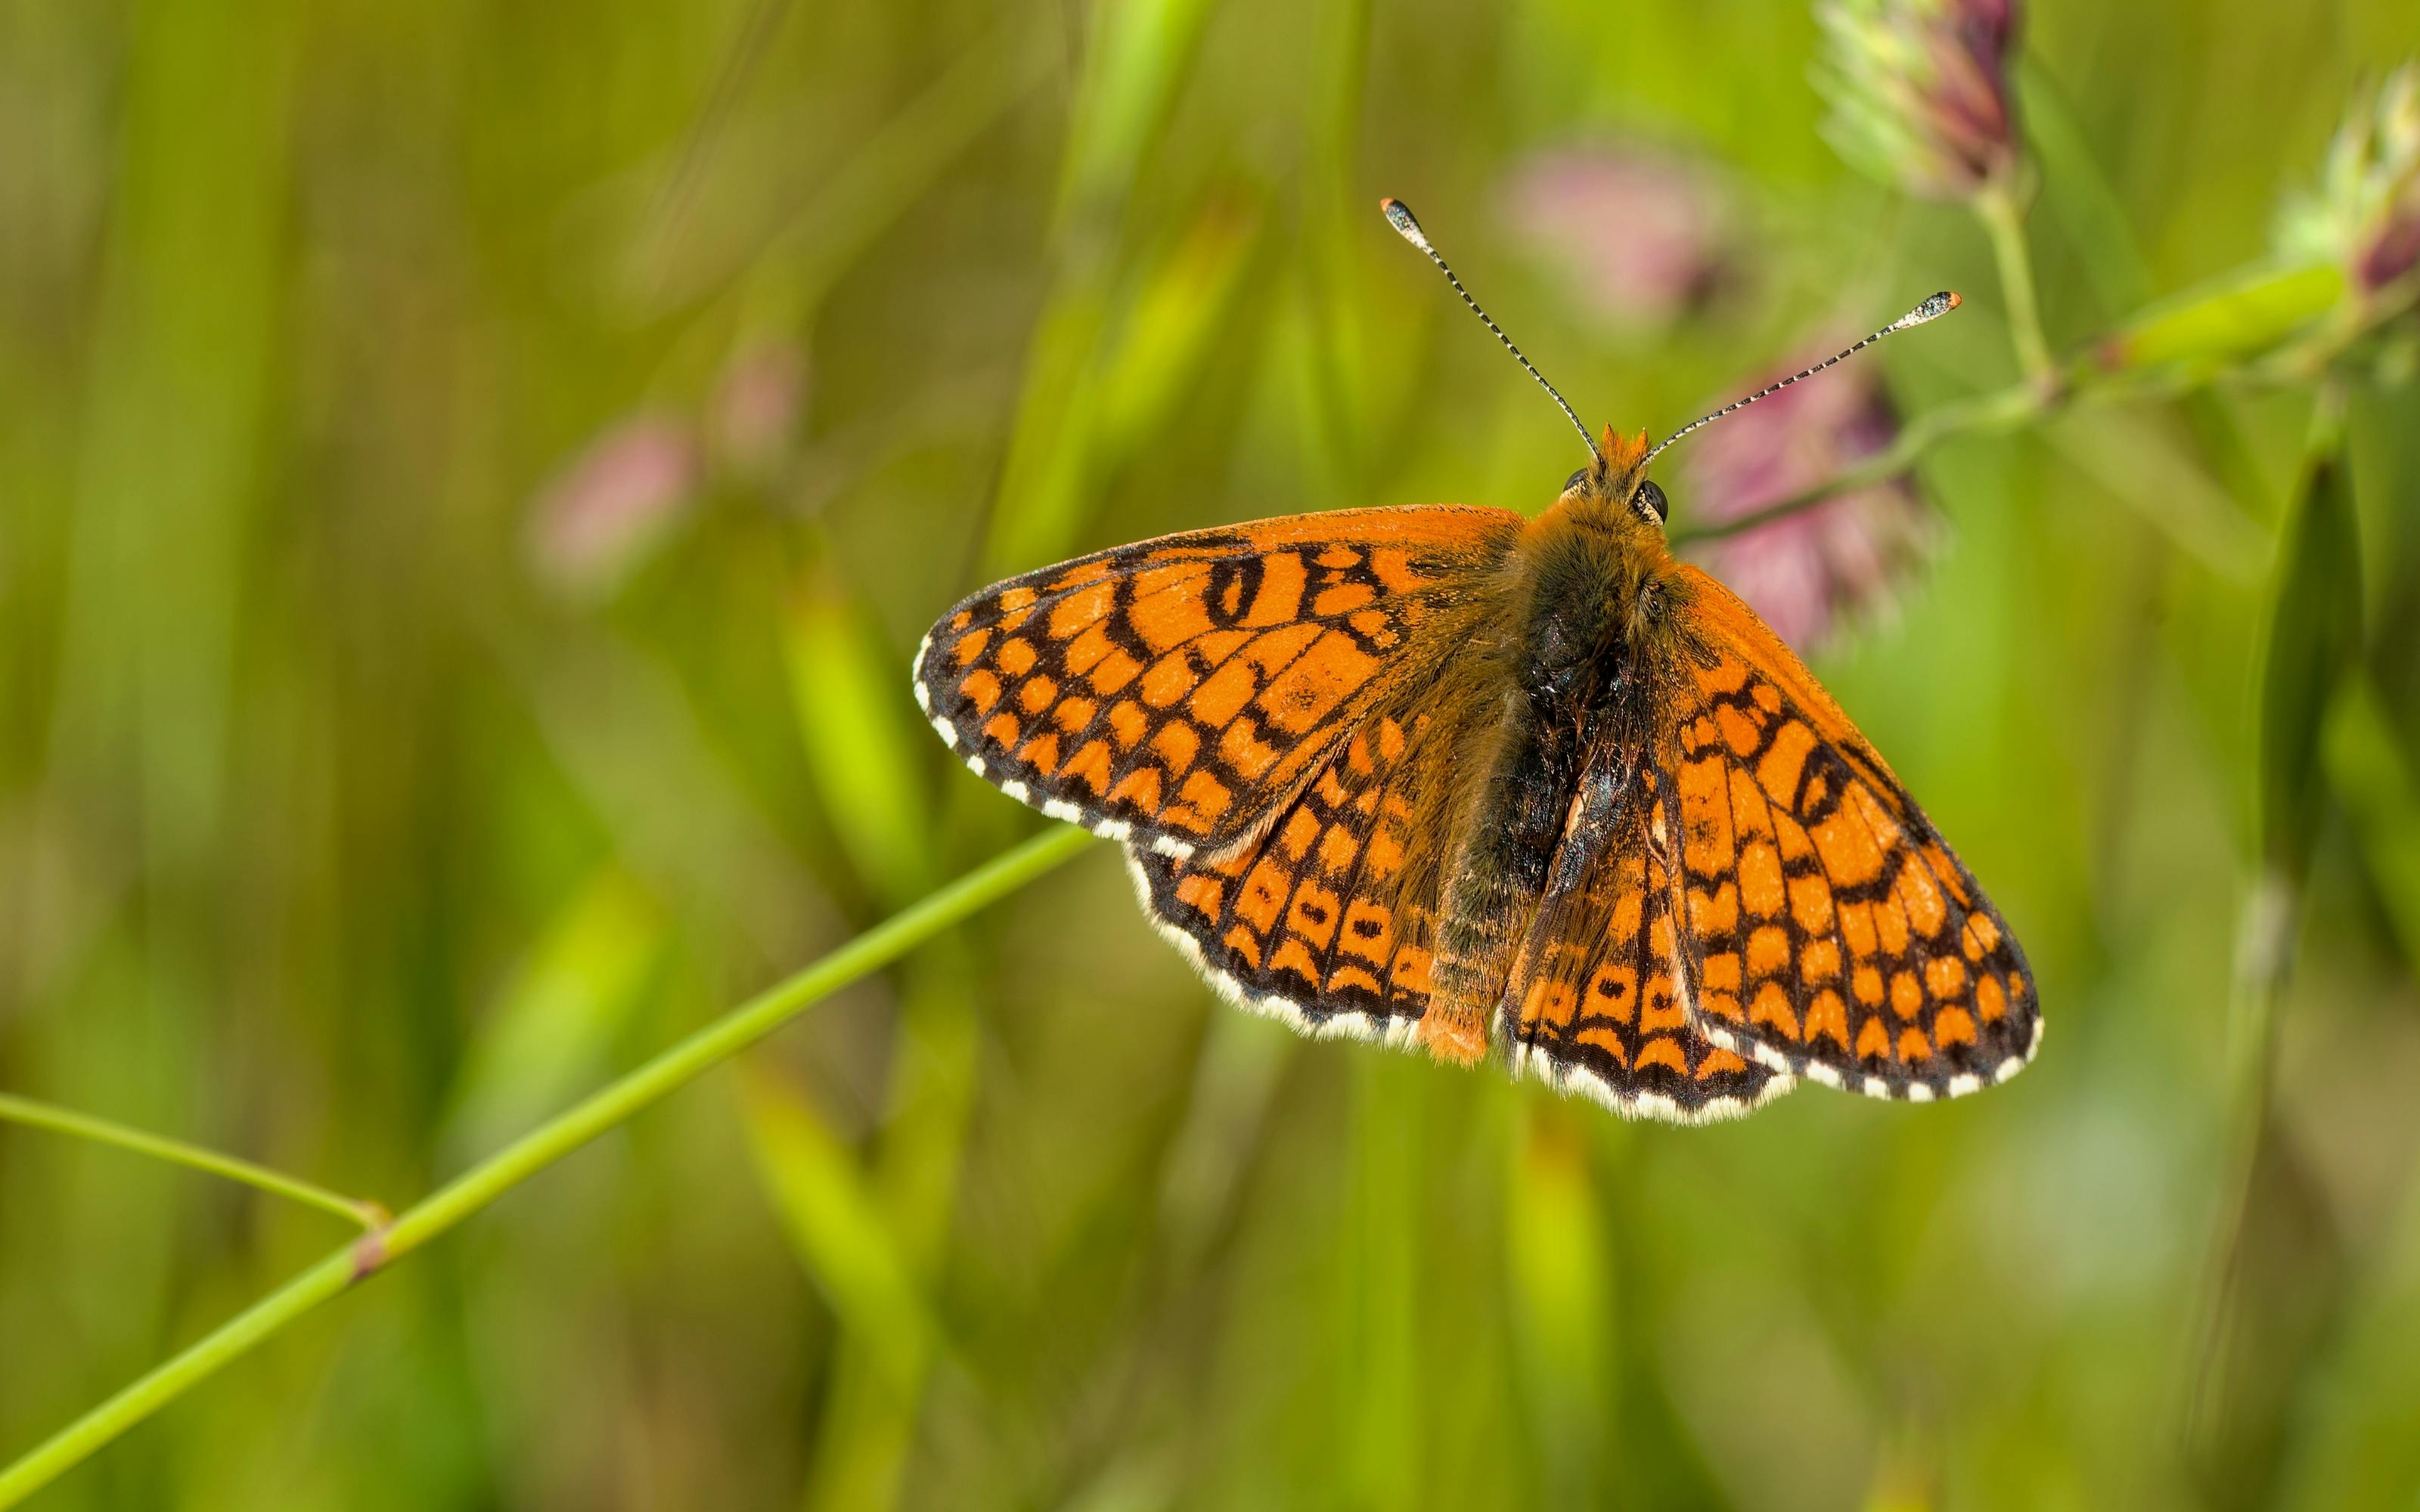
(1932, 309)
(1398, 215)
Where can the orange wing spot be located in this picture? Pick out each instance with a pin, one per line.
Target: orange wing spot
(1167, 609)
(1549, 1001)
(1113, 671)
(970, 646)
(1367, 930)
(1410, 970)
(1074, 714)
(1722, 1006)
(1077, 609)
(1786, 762)
(1337, 557)
(1890, 926)
(1386, 853)
(1989, 1000)
(1768, 696)
(1201, 891)
(1920, 897)
(1129, 723)
(1738, 732)
(1279, 600)
(1771, 1006)
(1944, 977)
(1014, 656)
(1017, 598)
(1760, 881)
(1768, 951)
(1141, 788)
(1953, 1026)
(1240, 746)
(1857, 928)
(1352, 979)
(1867, 984)
(1093, 765)
(1946, 870)
(1715, 915)
(1810, 903)
(1906, 997)
(1313, 915)
(1848, 849)
(1721, 972)
(1001, 730)
(1342, 599)
(1078, 575)
(1662, 1051)
(1041, 753)
(1264, 896)
(980, 688)
(1659, 1008)
(1307, 691)
(1724, 674)
(1912, 1045)
(1372, 624)
(1874, 1041)
(1393, 568)
(1337, 850)
(1296, 835)
(1205, 796)
(1719, 1062)
(2017, 983)
(1629, 913)
(1750, 815)
(1222, 694)
(1293, 957)
(1037, 693)
(1390, 740)
(1820, 961)
(1614, 992)
(1609, 1041)
(1660, 938)
(1982, 935)
(962, 619)
(1178, 743)
(1245, 944)
(1828, 1015)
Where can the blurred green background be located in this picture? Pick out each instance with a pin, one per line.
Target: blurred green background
(471, 478)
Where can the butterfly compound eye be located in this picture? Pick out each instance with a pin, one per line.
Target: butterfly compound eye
(1651, 500)
(1575, 480)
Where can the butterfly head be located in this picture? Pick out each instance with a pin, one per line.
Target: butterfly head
(1617, 479)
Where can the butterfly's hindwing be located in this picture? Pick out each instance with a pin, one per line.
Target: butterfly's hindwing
(1601, 1002)
(1837, 936)
(1176, 692)
(1307, 921)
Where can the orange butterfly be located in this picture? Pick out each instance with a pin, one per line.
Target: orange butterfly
(1455, 777)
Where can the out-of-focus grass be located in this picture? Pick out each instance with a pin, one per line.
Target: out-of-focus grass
(333, 831)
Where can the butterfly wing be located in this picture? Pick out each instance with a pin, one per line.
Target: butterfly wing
(1311, 920)
(1600, 1001)
(1836, 935)
(1178, 692)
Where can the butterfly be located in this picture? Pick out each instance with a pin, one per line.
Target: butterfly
(1459, 778)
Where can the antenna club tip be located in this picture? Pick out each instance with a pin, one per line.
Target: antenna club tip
(1398, 215)
(1950, 300)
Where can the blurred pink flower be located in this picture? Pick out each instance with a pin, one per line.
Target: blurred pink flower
(1920, 91)
(1640, 237)
(614, 503)
(1809, 573)
(752, 418)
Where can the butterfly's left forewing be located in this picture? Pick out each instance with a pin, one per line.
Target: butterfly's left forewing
(1835, 934)
(1179, 692)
